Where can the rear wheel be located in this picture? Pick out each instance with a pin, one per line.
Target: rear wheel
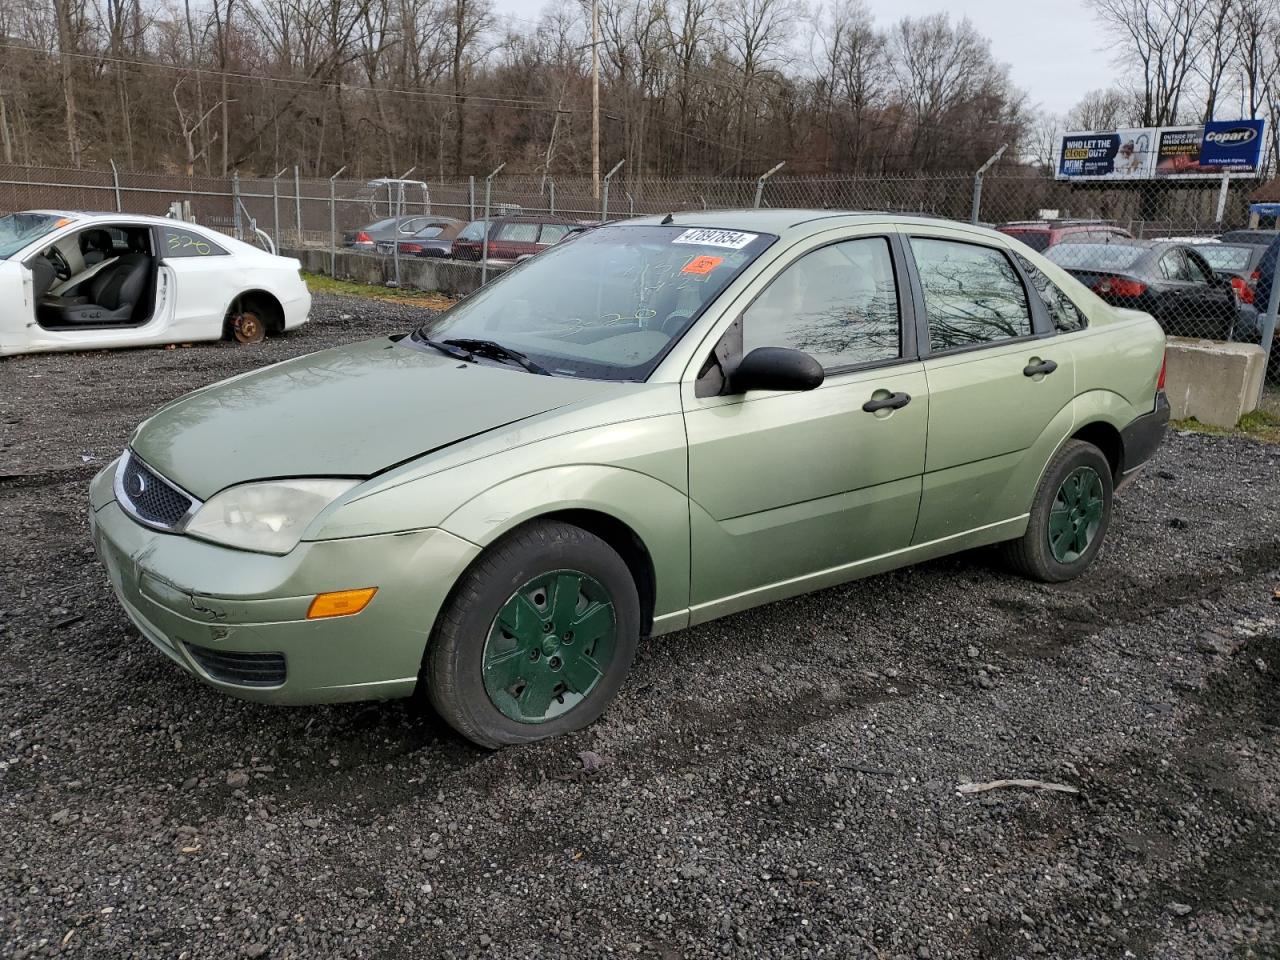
(536, 639)
(1069, 516)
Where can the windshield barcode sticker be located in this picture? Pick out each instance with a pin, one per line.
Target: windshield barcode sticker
(704, 237)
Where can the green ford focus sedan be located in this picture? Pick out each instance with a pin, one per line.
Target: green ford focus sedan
(651, 425)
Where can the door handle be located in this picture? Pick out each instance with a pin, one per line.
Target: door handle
(1044, 366)
(894, 401)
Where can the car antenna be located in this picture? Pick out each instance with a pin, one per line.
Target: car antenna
(667, 219)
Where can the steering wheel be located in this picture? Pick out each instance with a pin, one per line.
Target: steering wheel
(61, 269)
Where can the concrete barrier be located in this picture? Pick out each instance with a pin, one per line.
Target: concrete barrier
(1217, 383)
(453, 278)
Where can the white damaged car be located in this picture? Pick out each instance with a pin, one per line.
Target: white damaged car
(87, 281)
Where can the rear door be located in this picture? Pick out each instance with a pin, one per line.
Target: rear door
(790, 488)
(997, 382)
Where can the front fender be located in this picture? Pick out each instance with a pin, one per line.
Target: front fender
(656, 512)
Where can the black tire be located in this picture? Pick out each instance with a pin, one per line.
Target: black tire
(1031, 555)
(453, 666)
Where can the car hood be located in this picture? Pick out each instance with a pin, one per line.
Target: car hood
(347, 412)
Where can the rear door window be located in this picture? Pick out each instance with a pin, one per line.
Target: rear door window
(519, 232)
(972, 294)
(552, 232)
(1174, 267)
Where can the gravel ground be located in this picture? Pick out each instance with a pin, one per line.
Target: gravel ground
(780, 783)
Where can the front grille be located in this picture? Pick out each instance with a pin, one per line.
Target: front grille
(244, 669)
(150, 497)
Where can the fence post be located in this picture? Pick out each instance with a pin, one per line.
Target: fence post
(235, 204)
(604, 197)
(484, 246)
(763, 177)
(551, 188)
(1269, 327)
(471, 197)
(1222, 197)
(275, 208)
(333, 224)
(977, 182)
(115, 178)
(395, 231)
(297, 201)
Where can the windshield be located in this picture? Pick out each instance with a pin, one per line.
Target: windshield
(1222, 257)
(1095, 256)
(472, 231)
(610, 304)
(19, 229)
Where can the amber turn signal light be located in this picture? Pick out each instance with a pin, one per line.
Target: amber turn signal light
(340, 603)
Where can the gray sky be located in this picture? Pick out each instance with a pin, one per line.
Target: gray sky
(1055, 50)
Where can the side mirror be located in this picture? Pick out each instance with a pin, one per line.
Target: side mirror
(775, 368)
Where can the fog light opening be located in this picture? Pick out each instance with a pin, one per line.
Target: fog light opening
(340, 603)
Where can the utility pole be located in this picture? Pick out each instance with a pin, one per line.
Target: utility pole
(595, 99)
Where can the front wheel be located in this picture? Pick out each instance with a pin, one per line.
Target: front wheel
(1069, 516)
(536, 638)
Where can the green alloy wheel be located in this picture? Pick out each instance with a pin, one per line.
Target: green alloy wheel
(1068, 517)
(549, 646)
(537, 637)
(1076, 514)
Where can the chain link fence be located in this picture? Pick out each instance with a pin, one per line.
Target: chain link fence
(1210, 272)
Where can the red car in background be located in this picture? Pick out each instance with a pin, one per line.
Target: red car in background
(512, 237)
(1040, 235)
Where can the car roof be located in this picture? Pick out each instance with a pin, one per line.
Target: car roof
(94, 216)
(798, 222)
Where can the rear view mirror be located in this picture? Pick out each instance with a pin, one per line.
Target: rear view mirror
(775, 368)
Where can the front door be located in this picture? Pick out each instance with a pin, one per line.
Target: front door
(790, 490)
(1000, 387)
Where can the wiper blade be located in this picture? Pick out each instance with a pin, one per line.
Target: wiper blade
(448, 349)
(496, 351)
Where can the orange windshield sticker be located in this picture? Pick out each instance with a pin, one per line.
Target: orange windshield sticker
(702, 265)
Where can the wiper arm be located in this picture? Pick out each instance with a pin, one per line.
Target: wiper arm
(448, 349)
(496, 351)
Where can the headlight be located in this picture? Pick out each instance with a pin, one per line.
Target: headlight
(268, 517)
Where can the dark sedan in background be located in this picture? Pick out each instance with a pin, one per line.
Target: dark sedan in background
(434, 241)
(1170, 281)
(382, 233)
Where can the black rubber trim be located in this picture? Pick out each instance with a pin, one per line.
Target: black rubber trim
(1142, 437)
(240, 668)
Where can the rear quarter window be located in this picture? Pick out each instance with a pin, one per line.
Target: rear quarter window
(1064, 314)
(176, 244)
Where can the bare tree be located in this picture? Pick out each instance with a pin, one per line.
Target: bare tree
(1163, 39)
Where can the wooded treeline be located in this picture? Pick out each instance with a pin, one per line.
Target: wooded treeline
(688, 87)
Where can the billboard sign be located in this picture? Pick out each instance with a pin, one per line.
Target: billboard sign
(1120, 155)
(1222, 146)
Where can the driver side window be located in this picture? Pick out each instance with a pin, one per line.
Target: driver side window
(839, 304)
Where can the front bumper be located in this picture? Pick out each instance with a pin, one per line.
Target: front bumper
(185, 594)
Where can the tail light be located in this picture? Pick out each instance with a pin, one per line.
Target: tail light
(1164, 360)
(1119, 287)
(362, 237)
(410, 248)
(1244, 291)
